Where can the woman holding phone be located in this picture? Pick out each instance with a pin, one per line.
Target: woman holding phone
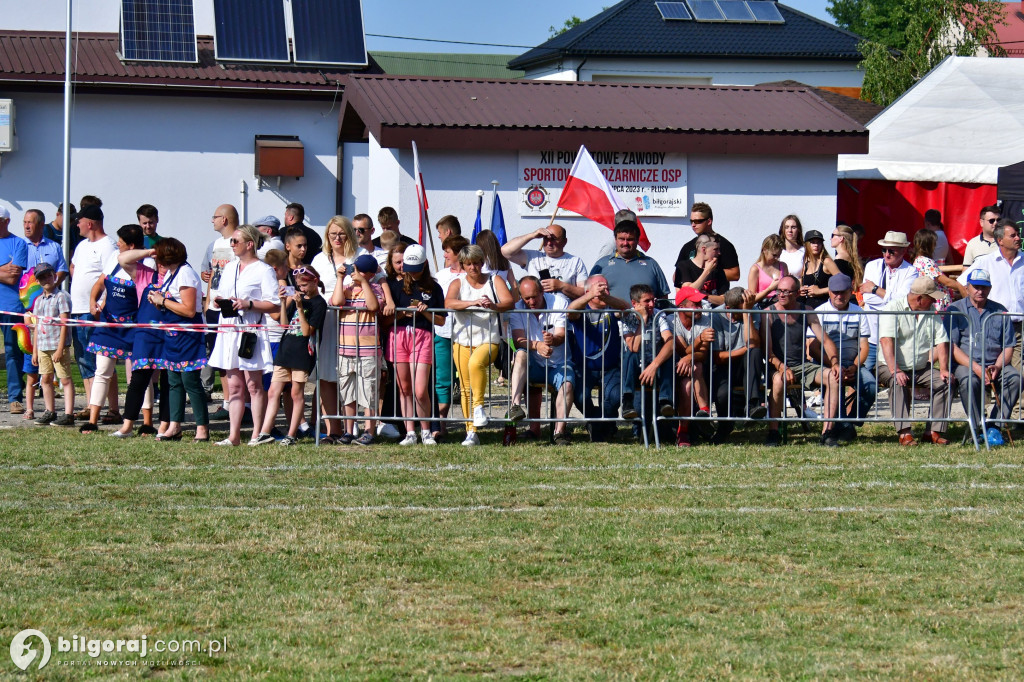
(339, 252)
(248, 288)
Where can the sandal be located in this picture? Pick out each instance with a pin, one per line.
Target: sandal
(111, 418)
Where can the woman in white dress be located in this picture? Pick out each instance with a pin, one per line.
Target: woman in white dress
(249, 287)
(792, 231)
(339, 250)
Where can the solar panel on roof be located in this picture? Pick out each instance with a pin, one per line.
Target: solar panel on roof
(675, 11)
(158, 30)
(765, 12)
(329, 32)
(250, 31)
(706, 10)
(735, 10)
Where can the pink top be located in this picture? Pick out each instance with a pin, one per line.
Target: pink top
(764, 280)
(144, 276)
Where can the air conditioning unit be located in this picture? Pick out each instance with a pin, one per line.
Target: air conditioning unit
(7, 125)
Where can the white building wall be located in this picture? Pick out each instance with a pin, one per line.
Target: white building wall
(749, 196)
(185, 155)
(712, 71)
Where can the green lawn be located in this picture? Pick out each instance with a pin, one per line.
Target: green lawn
(532, 562)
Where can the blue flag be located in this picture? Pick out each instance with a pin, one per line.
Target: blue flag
(478, 225)
(498, 222)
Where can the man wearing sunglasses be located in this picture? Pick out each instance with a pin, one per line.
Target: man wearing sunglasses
(363, 225)
(984, 243)
(702, 221)
(885, 279)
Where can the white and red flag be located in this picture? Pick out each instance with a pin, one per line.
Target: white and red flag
(421, 197)
(588, 193)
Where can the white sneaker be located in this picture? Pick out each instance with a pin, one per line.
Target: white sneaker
(410, 439)
(386, 430)
(479, 417)
(427, 438)
(471, 439)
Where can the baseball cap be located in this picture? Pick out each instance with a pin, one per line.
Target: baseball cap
(924, 286)
(811, 235)
(414, 258)
(91, 213)
(689, 294)
(366, 263)
(42, 268)
(979, 278)
(839, 282)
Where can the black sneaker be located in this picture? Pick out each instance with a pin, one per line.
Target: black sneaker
(262, 439)
(87, 427)
(276, 433)
(64, 420)
(219, 415)
(665, 409)
(773, 440)
(45, 418)
(346, 438)
(828, 439)
(846, 433)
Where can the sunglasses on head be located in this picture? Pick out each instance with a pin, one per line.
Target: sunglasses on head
(303, 272)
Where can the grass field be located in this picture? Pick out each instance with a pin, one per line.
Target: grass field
(585, 562)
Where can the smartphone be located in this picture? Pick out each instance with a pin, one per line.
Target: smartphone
(349, 268)
(227, 307)
(414, 302)
(289, 290)
(545, 274)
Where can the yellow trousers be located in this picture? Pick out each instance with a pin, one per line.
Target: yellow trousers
(473, 363)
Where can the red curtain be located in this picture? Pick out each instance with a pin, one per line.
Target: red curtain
(882, 205)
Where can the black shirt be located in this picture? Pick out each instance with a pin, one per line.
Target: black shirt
(432, 299)
(727, 257)
(295, 350)
(715, 285)
(401, 237)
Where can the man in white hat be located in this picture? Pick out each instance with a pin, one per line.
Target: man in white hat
(983, 346)
(915, 348)
(886, 279)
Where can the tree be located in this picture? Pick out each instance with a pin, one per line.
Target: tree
(905, 39)
(571, 22)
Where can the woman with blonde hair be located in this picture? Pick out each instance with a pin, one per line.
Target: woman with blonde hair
(817, 267)
(844, 241)
(339, 251)
(764, 275)
(247, 290)
(476, 332)
(792, 231)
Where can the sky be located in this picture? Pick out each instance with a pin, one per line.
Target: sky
(523, 23)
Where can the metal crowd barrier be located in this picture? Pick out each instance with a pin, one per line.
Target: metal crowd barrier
(993, 409)
(745, 386)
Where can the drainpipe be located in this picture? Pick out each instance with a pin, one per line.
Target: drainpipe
(580, 67)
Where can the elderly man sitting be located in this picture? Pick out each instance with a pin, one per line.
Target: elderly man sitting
(908, 341)
(987, 363)
(540, 351)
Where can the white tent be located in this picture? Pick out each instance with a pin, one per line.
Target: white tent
(959, 123)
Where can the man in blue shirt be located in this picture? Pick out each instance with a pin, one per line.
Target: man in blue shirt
(41, 249)
(983, 348)
(627, 266)
(13, 261)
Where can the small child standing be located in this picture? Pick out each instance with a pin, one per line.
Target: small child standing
(304, 312)
(359, 345)
(50, 347)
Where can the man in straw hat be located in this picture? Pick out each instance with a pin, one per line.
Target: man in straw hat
(885, 279)
(908, 342)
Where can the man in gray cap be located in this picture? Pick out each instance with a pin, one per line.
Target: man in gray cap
(987, 361)
(915, 348)
(841, 322)
(269, 225)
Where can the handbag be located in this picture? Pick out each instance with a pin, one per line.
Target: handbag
(247, 345)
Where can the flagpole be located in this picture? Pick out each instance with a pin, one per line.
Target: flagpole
(68, 219)
(494, 193)
(553, 217)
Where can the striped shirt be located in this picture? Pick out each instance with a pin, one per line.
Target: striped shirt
(358, 329)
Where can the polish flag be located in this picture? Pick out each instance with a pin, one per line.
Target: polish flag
(588, 193)
(421, 197)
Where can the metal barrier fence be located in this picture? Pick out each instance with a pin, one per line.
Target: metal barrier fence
(1000, 334)
(740, 373)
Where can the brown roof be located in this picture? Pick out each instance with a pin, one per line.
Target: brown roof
(37, 57)
(529, 114)
(857, 109)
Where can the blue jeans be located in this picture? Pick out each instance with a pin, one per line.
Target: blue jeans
(15, 359)
(869, 364)
(608, 400)
(631, 380)
(80, 340)
(867, 391)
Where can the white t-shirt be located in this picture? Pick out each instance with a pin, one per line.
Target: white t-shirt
(535, 324)
(444, 278)
(567, 268)
(186, 277)
(794, 260)
(218, 255)
(270, 244)
(88, 259)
